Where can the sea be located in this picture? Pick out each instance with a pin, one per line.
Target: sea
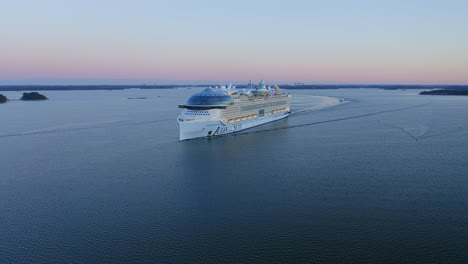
(100, 177)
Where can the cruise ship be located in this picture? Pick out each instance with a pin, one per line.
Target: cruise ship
(226, 109)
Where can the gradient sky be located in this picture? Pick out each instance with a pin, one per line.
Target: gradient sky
(144, 41)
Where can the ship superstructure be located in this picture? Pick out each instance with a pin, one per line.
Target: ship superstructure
(222, 110)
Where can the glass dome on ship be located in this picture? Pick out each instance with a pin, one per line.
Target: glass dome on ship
(210, 97)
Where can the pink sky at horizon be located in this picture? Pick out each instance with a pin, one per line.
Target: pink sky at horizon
(136, 71)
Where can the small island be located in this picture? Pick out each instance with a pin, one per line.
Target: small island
(3, 99)
(445, 92)
(33, 96)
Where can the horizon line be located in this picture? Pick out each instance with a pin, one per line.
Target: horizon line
(220, 84)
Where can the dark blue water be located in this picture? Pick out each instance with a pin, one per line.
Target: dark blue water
(94, 177)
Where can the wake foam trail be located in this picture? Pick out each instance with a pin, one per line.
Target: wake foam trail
(333, 120)
(327, 102)
(456, 130)
(425, 135)
(72, 126)
(405, 132)
(106, 125)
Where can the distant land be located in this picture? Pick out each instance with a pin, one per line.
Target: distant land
(445, 92)
(3, 99)
(286, 86)
(33, 96)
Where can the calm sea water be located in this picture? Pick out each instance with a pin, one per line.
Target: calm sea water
(92, 176)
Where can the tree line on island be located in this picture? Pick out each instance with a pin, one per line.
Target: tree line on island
(445, 92)
(32, 96)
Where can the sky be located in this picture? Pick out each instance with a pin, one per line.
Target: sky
(214, 41)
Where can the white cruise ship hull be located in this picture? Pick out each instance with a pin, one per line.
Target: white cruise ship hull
(204, 128)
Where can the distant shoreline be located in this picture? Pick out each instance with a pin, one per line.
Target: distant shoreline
(445, 92)
(285, 86)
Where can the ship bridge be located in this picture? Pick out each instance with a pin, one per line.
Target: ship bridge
(208, 99)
